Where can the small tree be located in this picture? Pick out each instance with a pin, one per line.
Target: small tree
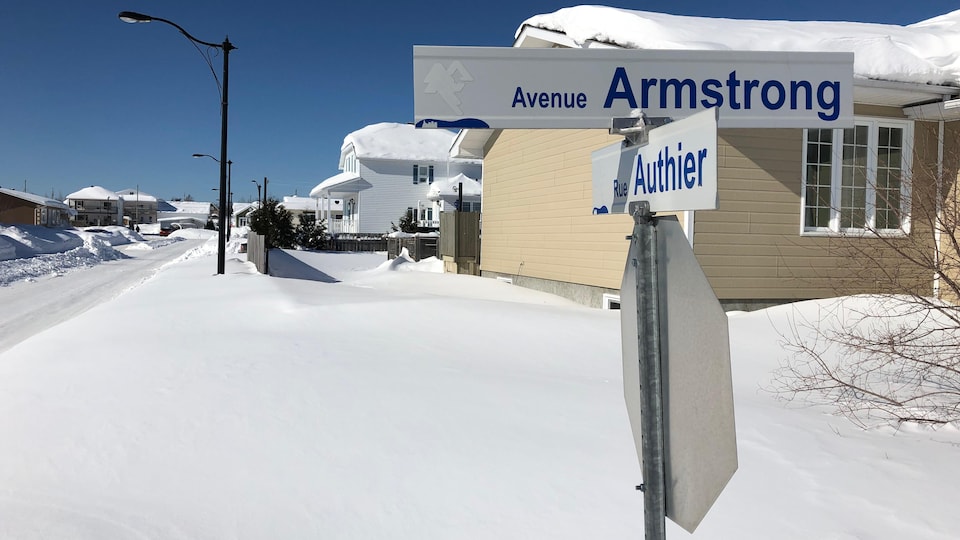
(275, 223)
(895, 356)
(407, 223)
(310, 233)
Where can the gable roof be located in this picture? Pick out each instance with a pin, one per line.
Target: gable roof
(388, 140)
(927, 52)
(36, 199)
(185, 207)
(449, 187)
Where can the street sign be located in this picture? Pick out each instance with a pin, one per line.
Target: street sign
(675, 171)
(699, 436)
(507, 87)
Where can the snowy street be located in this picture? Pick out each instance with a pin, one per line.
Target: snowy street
(31, 306)
(384, 399)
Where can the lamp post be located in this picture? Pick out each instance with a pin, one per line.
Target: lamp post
(226, 47)
(259, 202)
(229, 209)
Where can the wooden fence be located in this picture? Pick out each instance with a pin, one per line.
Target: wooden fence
(342, 243)
(257, 251)
(419, 247)
(460, 242)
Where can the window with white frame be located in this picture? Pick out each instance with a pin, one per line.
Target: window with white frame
(858, 179)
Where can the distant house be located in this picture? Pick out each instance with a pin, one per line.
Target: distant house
(138, 207)
(185, 211)
(22, 208)
(298, 206)
(388, 169)
(241, 213)
(458, 193)
(96, 205)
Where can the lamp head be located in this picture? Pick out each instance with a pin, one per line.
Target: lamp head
(134, 17)
(198, 155)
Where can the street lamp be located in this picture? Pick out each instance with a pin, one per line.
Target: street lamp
(259, 202)
(226, 47)
(229, 208)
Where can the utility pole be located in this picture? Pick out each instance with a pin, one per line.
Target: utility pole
(266, 237)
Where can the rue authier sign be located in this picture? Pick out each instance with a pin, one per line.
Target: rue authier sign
(504, 87)
(676, 170)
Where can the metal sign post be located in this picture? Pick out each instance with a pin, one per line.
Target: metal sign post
(677, 386)
(642, 258)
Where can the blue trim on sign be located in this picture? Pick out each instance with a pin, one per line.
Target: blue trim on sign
(601, 210)
(461, 123)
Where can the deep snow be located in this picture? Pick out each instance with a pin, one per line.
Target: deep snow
(380, 402)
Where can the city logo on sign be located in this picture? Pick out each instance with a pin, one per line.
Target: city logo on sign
(448, 82)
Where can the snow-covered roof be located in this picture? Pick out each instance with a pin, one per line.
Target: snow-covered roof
(93, 193)
(388, 140)
(35, 199)
(449, 187)
(241, 207)
(299, 203)
(136, 195)
(927, 52)
(187, 207)
(339, 183)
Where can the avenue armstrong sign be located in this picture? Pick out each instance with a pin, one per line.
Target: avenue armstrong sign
(505, 87)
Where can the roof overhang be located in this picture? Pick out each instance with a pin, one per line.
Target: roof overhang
(345, 182)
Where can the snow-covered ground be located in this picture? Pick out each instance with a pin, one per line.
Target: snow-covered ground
(382, 399)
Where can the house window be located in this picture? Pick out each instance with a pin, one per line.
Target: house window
(423, 174)
(857, 179)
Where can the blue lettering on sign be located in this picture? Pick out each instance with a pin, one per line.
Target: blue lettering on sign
(549, 100)
(619, 188)
(669, 172)
(734, 92)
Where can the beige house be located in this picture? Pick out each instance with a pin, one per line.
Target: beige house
(804, 213)
(19, 207)
(138, 207)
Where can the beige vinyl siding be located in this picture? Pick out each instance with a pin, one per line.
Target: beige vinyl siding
(538, 222)
(752, 249)
(537, 210)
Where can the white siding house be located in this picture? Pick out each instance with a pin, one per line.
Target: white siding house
(298, 206)
(388, 168)
(96, 205)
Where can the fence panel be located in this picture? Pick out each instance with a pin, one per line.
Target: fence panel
(257, 251)
(460, 235)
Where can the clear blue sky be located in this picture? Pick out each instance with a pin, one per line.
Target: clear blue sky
(88, 100)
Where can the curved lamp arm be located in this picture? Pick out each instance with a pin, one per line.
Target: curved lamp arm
(134, 17)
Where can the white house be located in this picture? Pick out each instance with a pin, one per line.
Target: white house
(96, 205)
(387, 169)
(458, 193)
(297, 206)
